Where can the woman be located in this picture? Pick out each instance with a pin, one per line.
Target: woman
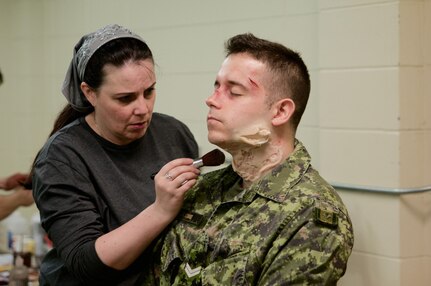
(91, 180)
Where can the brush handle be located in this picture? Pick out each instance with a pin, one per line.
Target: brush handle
(198, 163)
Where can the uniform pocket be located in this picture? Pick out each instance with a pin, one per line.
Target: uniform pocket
(229, 264)
(171, 251)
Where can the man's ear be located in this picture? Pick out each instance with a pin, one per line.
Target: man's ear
(89, 93)
(283, 111)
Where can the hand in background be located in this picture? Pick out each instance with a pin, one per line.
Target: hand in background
(19, 198)
(24, 198)
(13, 181)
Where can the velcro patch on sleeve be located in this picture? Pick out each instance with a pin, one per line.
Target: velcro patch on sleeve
(326, 217)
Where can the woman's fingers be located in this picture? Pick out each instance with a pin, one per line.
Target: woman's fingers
(179, 168)
(172, 182)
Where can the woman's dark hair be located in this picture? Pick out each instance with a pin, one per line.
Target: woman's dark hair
(116, 52)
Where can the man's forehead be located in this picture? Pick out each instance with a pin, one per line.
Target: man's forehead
(241, 69)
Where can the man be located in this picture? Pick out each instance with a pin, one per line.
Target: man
(269, 218)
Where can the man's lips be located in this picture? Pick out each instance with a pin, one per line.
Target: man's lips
(212, 118)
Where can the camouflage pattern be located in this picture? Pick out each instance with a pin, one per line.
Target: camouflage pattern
(289, 228)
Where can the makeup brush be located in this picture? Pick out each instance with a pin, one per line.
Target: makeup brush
(212, 158)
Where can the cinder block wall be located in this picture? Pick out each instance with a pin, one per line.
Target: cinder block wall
(367, 125)
(374, 97)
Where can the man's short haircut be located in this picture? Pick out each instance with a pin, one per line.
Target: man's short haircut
(290, 74)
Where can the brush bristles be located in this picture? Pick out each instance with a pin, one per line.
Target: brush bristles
(213, 158)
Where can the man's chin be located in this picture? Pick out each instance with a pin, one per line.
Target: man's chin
(217, 141)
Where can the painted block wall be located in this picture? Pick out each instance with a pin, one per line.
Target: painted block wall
(378, 69)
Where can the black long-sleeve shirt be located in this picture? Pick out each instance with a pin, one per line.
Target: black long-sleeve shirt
(85, 186)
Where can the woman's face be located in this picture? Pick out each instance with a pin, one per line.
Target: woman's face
(123, 105)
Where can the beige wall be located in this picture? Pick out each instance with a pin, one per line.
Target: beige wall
(367, 124)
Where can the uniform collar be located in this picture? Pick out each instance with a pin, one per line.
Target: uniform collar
(276, 184)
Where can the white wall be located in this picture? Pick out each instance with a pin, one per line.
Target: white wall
(367, 123)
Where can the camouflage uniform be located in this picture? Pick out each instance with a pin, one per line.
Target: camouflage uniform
(289, 228)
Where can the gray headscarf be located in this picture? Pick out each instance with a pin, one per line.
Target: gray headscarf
(82, 52)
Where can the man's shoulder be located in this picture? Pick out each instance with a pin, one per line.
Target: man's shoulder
(326, 208)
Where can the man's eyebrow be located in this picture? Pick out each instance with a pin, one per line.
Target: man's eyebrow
(232, 83)
(236, 83)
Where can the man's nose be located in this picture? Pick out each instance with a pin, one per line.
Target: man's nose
(212, 99)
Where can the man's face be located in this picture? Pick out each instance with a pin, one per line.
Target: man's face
(238, 112)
